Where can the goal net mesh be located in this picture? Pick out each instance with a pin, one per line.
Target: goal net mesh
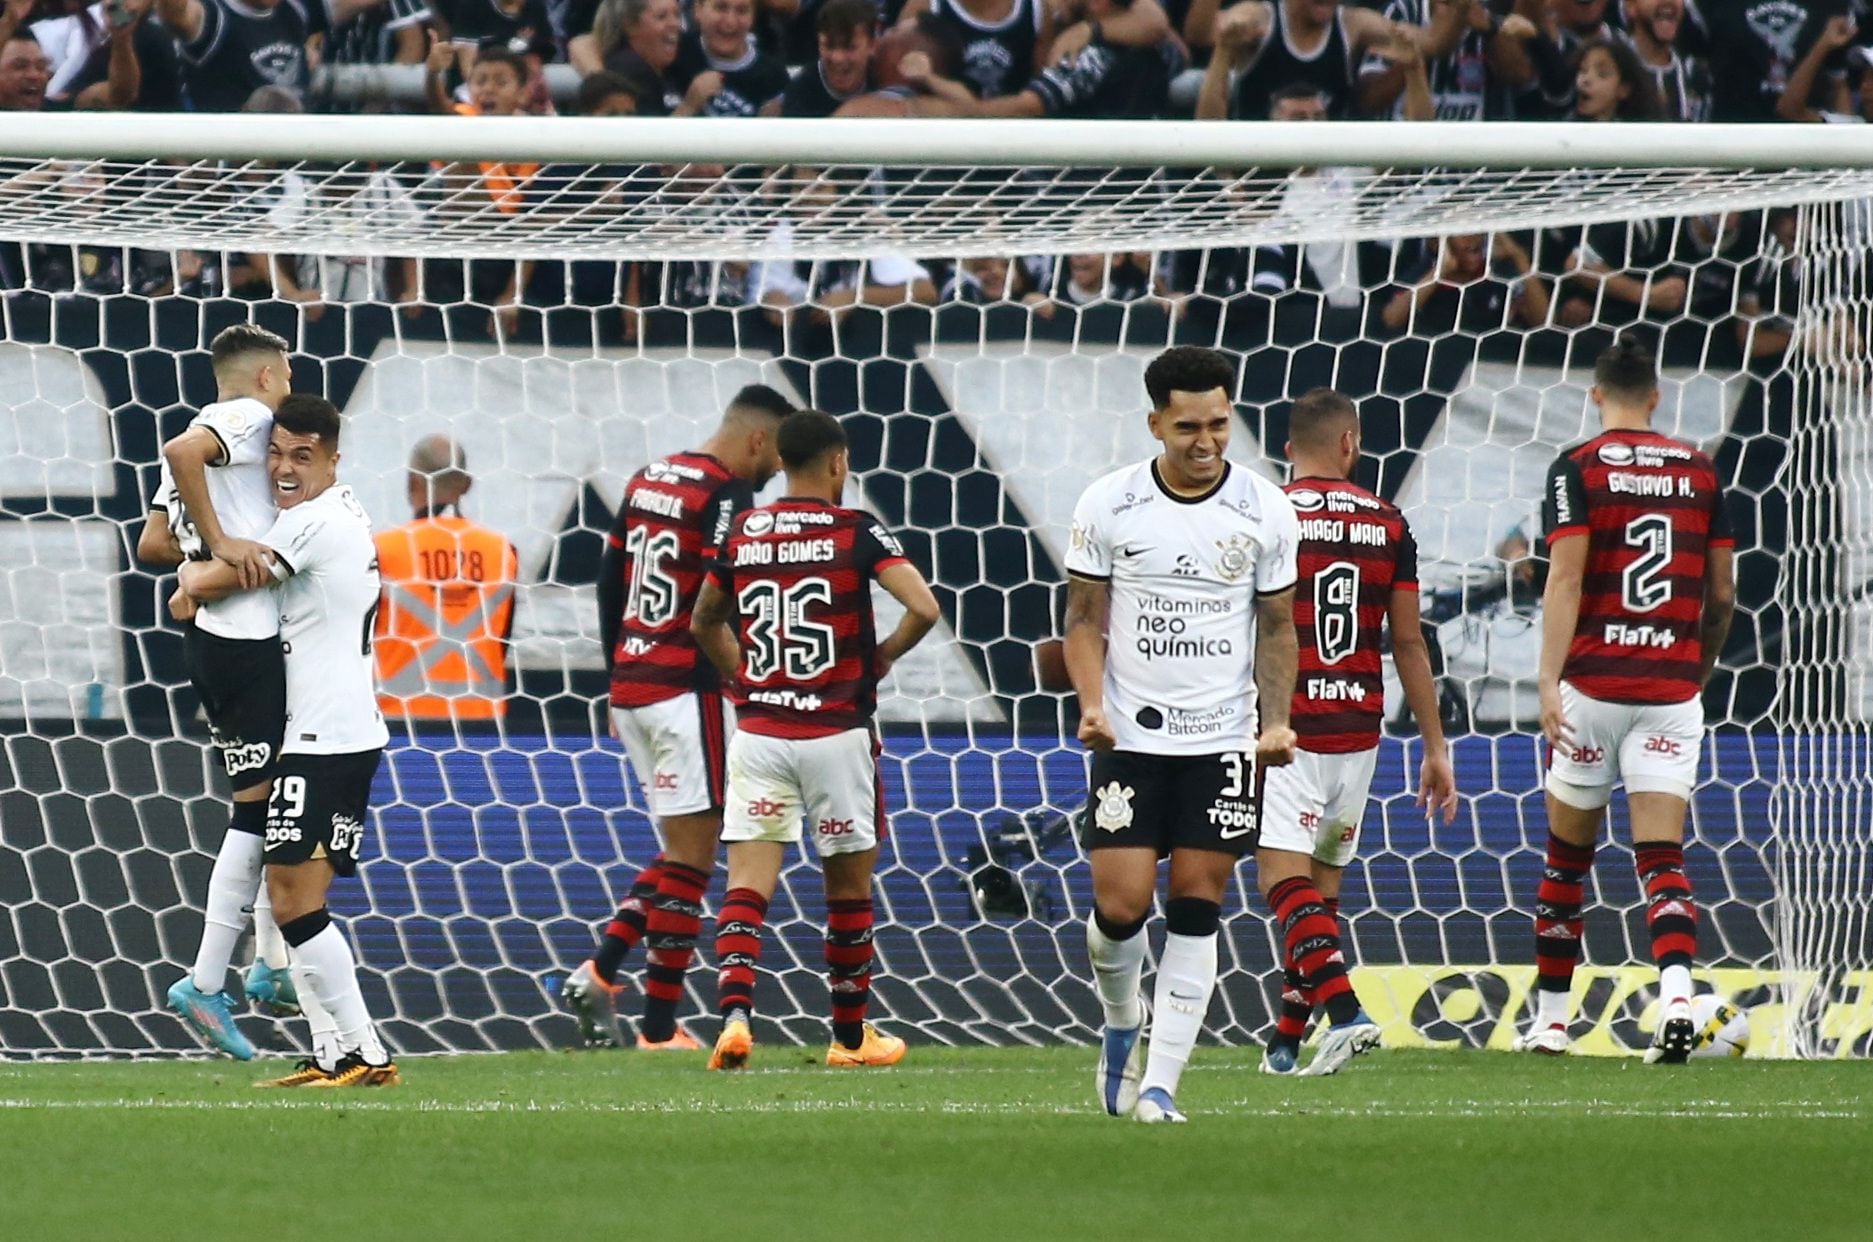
(983, 333)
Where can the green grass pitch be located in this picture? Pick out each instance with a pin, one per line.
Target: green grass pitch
(981, 1145)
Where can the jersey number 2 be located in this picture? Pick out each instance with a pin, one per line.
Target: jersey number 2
(1644, 585)
(779, 634)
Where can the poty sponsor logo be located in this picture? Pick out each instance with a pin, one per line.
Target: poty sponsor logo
(1664, 746)
(240, 757)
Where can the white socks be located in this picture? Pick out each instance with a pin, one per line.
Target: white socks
(1550, 1008)
(269, 945)
(324, 968)
(231, 891)
(1186, 980)
(1674, 984)
(1117, 967)
(323, 1029)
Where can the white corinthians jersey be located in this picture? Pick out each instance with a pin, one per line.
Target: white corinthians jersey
(328, 608)
(1183, 574)
(242, 495)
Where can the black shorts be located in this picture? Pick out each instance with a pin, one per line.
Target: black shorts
(318, 807)
(242, 684)
(1173, 802)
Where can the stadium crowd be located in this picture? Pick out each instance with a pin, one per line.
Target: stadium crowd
(1287, 60)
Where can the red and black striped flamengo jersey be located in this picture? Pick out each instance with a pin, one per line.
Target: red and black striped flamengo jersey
(675, 516)
(1651, 508)
(800, 575)
(1355, 550)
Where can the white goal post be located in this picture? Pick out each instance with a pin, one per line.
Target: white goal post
(977, 300)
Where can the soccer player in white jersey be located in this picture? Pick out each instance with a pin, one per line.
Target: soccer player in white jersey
(1181, 647)
(321, 553)
(213, 499)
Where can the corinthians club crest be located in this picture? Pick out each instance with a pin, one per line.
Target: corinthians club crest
(1114, 810)
(1234, 561)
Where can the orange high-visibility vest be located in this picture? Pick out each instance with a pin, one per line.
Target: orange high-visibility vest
(442, 630)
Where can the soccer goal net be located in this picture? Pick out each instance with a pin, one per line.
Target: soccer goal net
(567, 299)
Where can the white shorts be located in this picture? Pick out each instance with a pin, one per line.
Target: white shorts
(1648, 747)
(679, 751)
(1315, 805)
(831, 783)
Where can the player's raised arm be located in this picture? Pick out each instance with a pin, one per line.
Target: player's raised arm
(907, 586)
(1564, 513)
(189, 456)
(1437, 781)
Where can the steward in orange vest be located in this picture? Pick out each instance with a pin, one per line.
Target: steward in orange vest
(448, 610)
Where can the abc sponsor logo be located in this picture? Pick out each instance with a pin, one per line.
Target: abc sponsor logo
(1670, 747)
(1307, 501)
(1310, 819)
(1587, 754)
(766, 808)
(1616, 454)
(835, 828)
(664, 781)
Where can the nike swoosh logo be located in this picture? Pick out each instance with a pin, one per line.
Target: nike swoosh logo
(1192, 997)
(1229, 834)
(1133, 550)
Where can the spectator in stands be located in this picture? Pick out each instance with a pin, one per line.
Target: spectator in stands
(1816, 75)
(284, 196)
(1755, 48)
(25, 72)
(1683, 80)
(497, 86)
(1473, 284)
(521, 26)
(1473, 61)
(1002, 43)
(1086, 279)
(728, 74)
(637, 39)
(386, 32)
(988, 280)
(1271, 44)
(1098, 80)
(1767, 296)
(105, 55)
(230, 48)
(1613, 84)
(448, 612)
(843, 70)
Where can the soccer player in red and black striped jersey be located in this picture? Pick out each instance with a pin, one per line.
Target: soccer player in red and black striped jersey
(1358, 569)
(1639, 597)
(667, 706)
(786, 616)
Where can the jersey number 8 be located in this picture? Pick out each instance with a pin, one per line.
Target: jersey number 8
(1336, 604)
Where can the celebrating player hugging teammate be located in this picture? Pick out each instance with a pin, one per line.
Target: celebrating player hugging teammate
(1637, 605)
(667, 705)
(213, 500)
(1169, 559)
(1359, 567)
(804, 664)
(319, 549)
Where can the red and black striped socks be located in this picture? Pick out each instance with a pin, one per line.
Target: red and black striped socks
(1311, 940)
(669, 943)
(1670, 914)
(1558, 926)
(1297, 999)
(627, 925)
(738, 951)
(848, 966)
